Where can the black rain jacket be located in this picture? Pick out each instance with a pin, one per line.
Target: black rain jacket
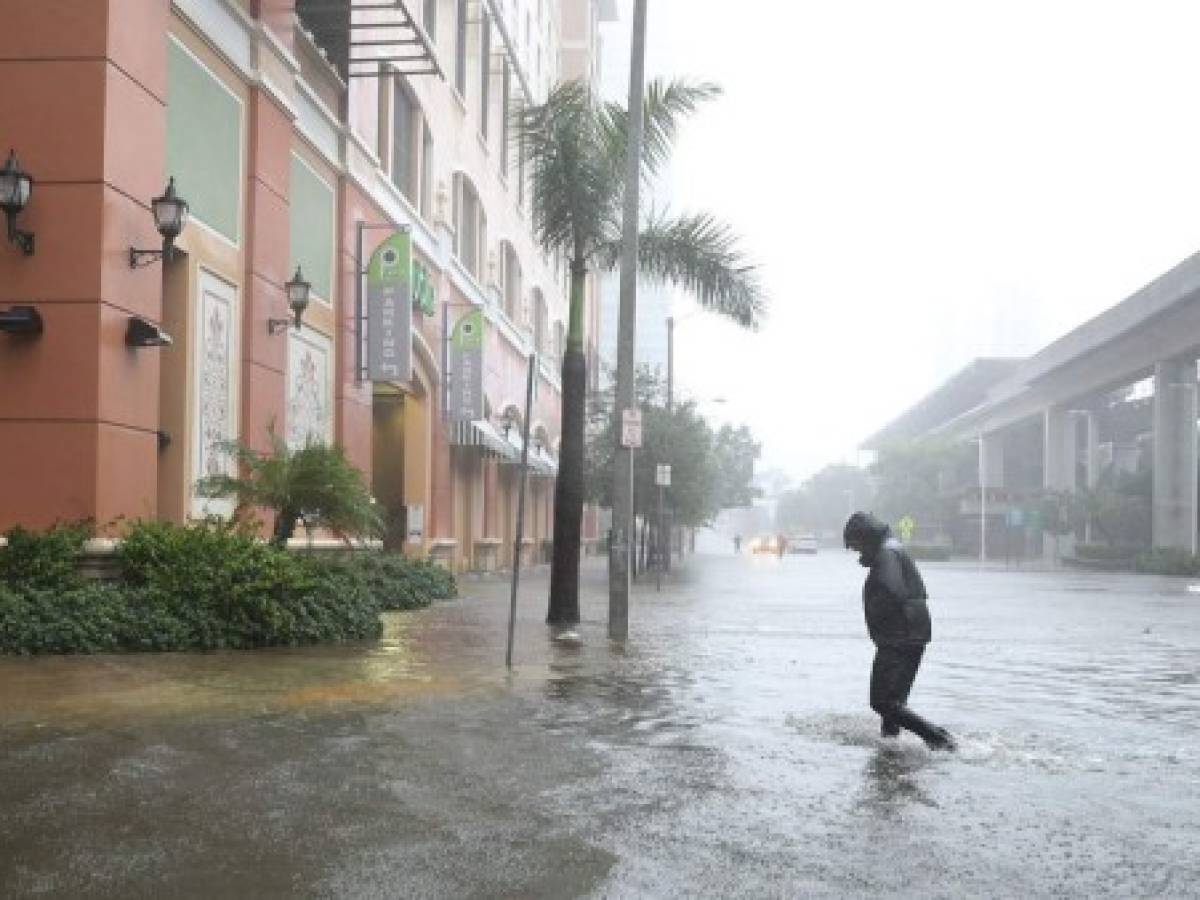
(894, 596)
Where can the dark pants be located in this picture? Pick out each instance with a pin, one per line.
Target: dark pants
(892, 677)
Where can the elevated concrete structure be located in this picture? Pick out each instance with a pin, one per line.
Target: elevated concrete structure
(1154, 333)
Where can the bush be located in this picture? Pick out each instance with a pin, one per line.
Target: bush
(1117, 552)
(1168, 562)
(46, 560)
(194, 588)
(400, 583)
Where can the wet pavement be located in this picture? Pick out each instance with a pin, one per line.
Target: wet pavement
(726, 750)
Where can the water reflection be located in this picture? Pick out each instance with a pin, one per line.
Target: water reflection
(892, 780)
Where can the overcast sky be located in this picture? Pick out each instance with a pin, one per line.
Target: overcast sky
(922, 183)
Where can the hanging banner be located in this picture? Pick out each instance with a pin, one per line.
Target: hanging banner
(466, 368)
(389, 310)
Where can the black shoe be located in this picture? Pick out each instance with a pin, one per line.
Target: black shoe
(941, 741)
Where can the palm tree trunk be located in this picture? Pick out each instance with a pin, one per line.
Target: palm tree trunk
(285, 527)
(569, 488)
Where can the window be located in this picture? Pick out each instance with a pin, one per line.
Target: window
(485, 72)
(541, 336)
(429, 19)
(505, 100)
(511, 282)
(426, 204)
(404, 134)
(470, 226)
(460, 49)
(560, 340)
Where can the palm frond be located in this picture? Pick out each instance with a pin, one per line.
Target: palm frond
(665, 105)
(700, 255)
(572, 193)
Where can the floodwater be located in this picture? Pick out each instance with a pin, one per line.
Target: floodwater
(726, 750)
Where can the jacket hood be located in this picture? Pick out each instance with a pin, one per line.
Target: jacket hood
(868, 533)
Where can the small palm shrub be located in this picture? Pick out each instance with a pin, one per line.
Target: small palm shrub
(314, 484)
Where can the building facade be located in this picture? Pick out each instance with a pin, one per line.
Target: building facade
(301, 134)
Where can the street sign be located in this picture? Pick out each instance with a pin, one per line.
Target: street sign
(631, 428)
(662, 475)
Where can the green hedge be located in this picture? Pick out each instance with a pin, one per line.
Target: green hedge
(203, 587)
(400, 583)
(1168, 562)
(1119, 552)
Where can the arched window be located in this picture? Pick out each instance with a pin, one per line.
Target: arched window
(511, 281)
(470, 226)
(409, 154)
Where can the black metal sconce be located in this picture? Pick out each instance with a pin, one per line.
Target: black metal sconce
(141, 333)
(297, 296)
(15, 187)
(170, 216)
(510, 422)
(21, 320)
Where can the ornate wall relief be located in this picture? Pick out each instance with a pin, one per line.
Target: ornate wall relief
(310, 387)
(214, 407)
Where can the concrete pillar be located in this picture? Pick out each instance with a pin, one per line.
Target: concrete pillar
(84, 107)
(1174, 498)
(992, 461)
(1091, 456)
(1058, 470)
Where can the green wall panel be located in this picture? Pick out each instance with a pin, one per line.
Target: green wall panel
(312, 213)
(204, 142)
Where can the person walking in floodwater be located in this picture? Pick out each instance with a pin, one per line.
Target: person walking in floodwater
(898, 622)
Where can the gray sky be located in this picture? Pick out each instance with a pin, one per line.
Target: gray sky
(923, 183)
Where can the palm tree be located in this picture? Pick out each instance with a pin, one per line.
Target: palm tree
(314, 484)
(575, 146)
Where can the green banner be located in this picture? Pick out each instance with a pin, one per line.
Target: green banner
(466, 368)
(389, 310)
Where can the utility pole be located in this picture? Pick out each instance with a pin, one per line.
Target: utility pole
(622, 526)
(670, 363)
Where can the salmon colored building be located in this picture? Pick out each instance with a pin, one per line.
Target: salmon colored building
(301, 133)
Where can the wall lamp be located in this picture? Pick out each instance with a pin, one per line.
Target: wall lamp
(15, 188)
(170, 216)
(142, 333)
(297, 297)
(21, 320)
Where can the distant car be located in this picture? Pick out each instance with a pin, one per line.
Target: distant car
(802, 543)
(764, 544)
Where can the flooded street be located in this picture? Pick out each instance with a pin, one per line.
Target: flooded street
(726, 750)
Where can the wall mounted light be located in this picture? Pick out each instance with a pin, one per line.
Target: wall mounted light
(297, 297)
(509, 422)
(142, 333)
(170, 216)
(21, 320)
(15, 188)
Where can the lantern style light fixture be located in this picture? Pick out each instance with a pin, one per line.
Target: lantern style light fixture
(509, 422)
(15, 187)
(170, 216)
(297, 297)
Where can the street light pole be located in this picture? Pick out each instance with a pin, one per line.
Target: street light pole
(670, 363)
(621, 553)
(982, 503)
